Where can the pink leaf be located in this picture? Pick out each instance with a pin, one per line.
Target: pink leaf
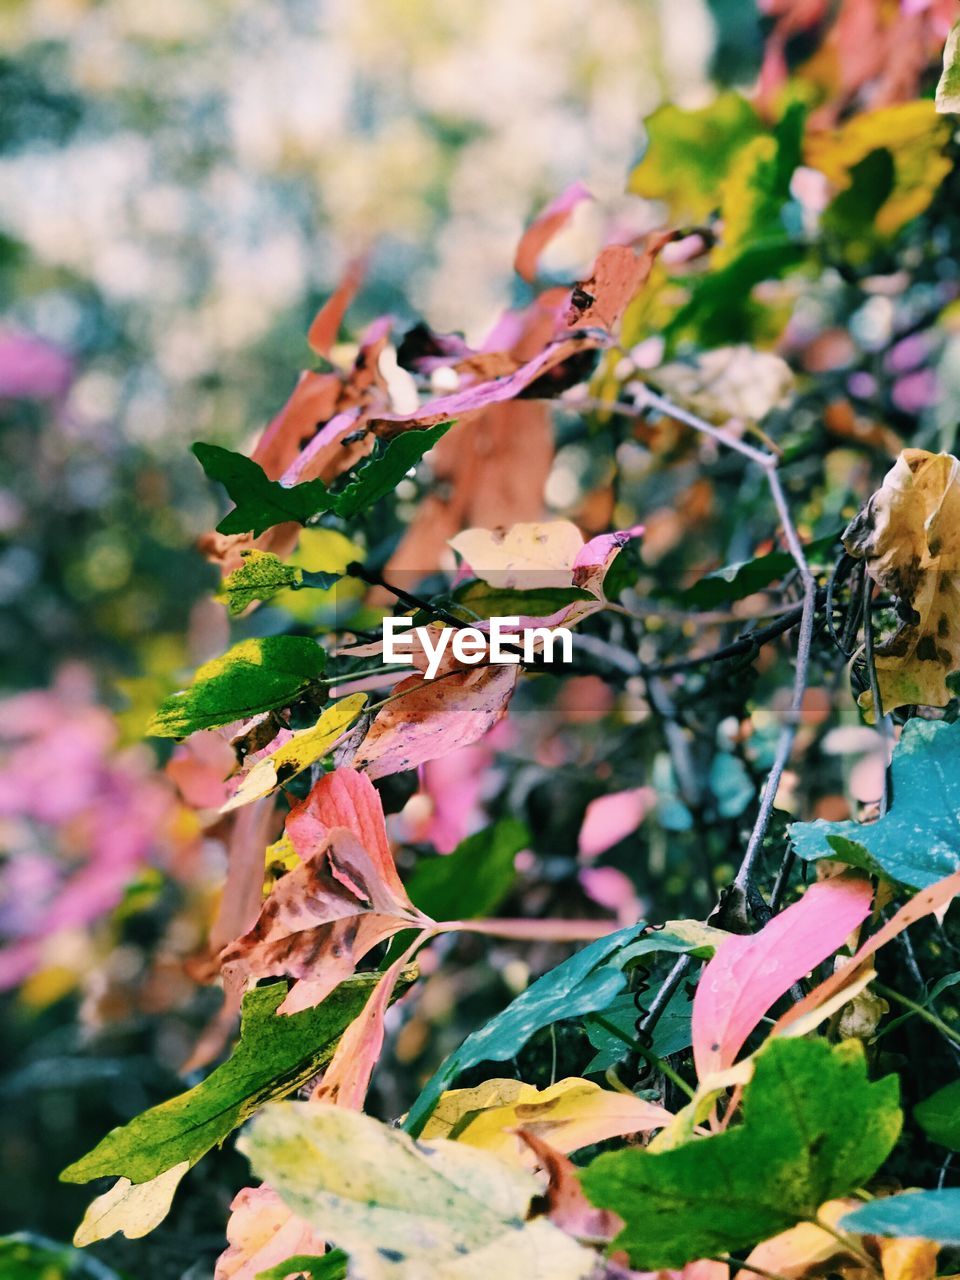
(747, 975)
(609, 819)
(433, 717)
(544, 227)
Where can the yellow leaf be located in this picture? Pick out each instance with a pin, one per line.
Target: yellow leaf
(909, 1258)
(570, 1114)
(540, 554)
(914, 135)
(909, 536)
(133, 1209)
(798, 1251)
(297, 754)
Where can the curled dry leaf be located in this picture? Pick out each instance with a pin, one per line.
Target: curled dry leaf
(323, 917)
(567, 1206)
(908, 535)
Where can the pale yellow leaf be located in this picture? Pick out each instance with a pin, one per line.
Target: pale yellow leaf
(570, 1114)
(406, 1210)
(523, 556)
(299, 753)
(133, 1209)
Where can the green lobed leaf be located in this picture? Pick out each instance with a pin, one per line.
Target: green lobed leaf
(933, 1215)
(474, 879)
(275, 1055)
(917, 842)
(383, 472)
(689, 152)
(813, 1128)
(262, 503)
(255, 675)
(331, 1266)
(261, 575)
(586, 982)
(948, 88)
(939, 1115)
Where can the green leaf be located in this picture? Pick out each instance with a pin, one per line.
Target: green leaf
(332, 1266)
(260, 503)
(671, 1035)
(672, 1032)
(483, 601)
(918, 841)
(939, 1116)
(472, 880)
(948, 88)
(255, 675)
(735, 581)
(404, 1209)
(688, 153)
(813, 1128)
(275, 1055)
(852, 213)
(25, 1256)
(586, 982)
(263, 503)
(722, 309)
(933, 1215)
(261, 575)
(383, 473)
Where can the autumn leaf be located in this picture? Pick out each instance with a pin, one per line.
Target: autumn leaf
(300, 751)
(544, 227)
(326, 914)
(427, 718)
(747, 975)
(934, 1215)
(948, 87)
(908, 535)
(403, 1209)
(915, 138)
(261, 576)
(570, 1114)
(133, 1209)
(274, 1057)
(262, 1233)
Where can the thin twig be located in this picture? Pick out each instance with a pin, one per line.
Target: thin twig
(879, 719)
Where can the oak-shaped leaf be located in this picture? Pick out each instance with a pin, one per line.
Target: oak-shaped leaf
(908, 535)
(262, 503)
(814, 1128)
(403, 1209)
(274, 1057)
(917, 842)
(255, 675)
(343, 899)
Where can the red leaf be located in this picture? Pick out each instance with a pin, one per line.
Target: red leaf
(544, 227)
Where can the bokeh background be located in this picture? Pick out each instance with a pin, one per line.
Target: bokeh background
(180, 185)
